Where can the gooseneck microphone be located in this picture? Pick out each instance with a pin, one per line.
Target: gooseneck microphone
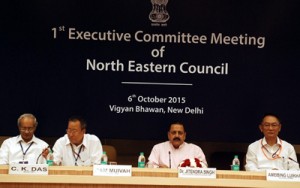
(287, 159)
(293, 160)
(37, 160)
(169, 159)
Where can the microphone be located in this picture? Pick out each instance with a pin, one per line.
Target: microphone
(293, 160)
(169, 159)
(37, 160)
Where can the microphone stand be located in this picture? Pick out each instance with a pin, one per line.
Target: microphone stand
(37, 160)
(169, 159)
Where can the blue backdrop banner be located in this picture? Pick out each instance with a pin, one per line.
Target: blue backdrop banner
(132, 67)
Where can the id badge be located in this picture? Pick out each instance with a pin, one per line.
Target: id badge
(23, 162)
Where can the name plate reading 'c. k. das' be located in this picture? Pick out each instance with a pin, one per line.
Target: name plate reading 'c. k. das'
(283, 175)
(188, 172)
(112, 170)
(28, 169)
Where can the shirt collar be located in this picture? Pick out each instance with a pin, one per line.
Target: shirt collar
(264, 142)
(84, 141)
(20, 139)
(182, 145)
(67, 139)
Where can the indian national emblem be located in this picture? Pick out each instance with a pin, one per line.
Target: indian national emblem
(159, 13)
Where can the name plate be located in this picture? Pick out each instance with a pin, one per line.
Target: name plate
(112, 170)
(187, 172)
(28, 169)
(283, 175)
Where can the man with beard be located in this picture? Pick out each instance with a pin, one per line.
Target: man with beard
(271, 152)
(171, 153)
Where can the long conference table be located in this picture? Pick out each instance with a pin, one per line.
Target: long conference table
(69, 177)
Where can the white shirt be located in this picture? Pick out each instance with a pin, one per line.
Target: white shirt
(160, 154)
(86, 154)
(16, 150)
(259, 156)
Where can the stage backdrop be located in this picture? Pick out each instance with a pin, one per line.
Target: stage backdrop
(130, 67)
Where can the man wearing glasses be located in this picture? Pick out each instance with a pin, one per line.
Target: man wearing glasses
(171, 153)
(271, 152)
(24, 148)
(77, 148)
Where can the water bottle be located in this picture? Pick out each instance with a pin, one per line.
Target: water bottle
(235, 163)
(141, 160)
(104, 158)
(50, 158)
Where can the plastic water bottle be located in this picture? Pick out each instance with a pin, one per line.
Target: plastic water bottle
(141, 160)
(235, 163)
(50, 158)
(104, 158)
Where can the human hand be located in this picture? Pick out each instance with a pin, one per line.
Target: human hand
(45, 152)
(163, 166)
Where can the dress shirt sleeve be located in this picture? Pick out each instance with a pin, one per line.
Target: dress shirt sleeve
(292, 164)
(4, 153)
(95, 151)
(251, 160)
(200, 155)
(58, 152)
(154, 157)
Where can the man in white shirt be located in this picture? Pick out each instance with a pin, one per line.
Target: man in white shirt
(171, 153)
(77, 148)
(271, 152)
(24, 148)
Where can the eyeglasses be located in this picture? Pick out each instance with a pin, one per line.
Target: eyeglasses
(178, 132)
(29, 129)
(72, 131)
(270, 124)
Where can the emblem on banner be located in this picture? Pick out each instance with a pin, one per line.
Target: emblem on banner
(159, 14)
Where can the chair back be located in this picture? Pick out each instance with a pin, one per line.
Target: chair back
(111, 152)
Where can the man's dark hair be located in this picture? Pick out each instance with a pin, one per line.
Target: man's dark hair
(176, 122)
(273, 115)
(80, 119)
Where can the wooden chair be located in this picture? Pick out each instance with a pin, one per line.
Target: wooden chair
(111, 152)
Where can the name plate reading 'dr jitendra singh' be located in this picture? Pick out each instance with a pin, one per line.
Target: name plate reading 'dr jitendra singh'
(28, 169)
(187, 172)
(112, 170)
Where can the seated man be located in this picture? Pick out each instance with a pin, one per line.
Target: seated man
(271, 152)
(24, 148)
(171, 153)
(77, 148)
